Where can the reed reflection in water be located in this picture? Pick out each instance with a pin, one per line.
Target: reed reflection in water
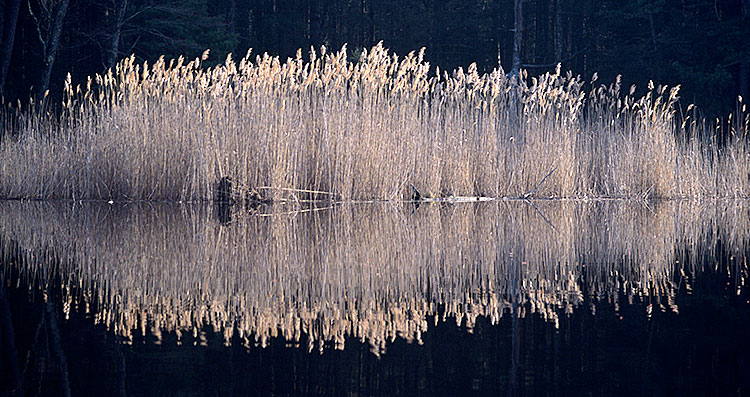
(373, 271)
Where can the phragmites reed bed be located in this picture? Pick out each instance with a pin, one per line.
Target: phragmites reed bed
(377, 128)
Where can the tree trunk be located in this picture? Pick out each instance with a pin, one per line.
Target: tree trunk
(433, 42)
(558, 31)
(517, 35)
(496, 35)
(113, 51)
(8, 350)
(242, 26)
(744, 75)
(542, 47)
(744, 78)
(56, 344)
(316, 23)
(371, 24)
(52, 43)
(652, 27)
(364, 39)
(10, 18)
(516, 367)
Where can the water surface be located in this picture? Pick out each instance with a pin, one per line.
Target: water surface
(550, 298)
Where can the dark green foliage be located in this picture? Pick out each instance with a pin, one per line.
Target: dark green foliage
(173, 28)
(699, 45)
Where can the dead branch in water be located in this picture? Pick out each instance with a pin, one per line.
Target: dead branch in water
(529, 194)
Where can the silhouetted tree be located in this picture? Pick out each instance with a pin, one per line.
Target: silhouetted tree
(9, 19)
(49, 17)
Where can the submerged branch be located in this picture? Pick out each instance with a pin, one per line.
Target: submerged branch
(529, 194)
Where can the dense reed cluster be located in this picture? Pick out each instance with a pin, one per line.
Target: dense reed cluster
(372, 272)
(380, 127)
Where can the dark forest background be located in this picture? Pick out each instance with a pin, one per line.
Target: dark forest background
(704, 45)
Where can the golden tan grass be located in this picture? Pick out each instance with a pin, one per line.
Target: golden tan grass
(370, 129)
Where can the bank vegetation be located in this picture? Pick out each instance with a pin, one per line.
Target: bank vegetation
(327, 127)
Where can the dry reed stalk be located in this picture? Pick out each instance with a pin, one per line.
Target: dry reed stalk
(364, 130)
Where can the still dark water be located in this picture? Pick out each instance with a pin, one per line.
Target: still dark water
(495, 298)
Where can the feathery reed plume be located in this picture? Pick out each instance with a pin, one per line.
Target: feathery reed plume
(369, 129)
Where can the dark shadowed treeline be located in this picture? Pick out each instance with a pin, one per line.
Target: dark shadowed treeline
(695, 43)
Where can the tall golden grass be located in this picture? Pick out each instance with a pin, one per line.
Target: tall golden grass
(371, 129)
(373, 272)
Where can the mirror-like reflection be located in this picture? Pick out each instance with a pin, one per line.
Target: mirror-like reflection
(374, 272)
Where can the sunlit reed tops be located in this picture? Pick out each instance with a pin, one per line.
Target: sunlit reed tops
(370, 126)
